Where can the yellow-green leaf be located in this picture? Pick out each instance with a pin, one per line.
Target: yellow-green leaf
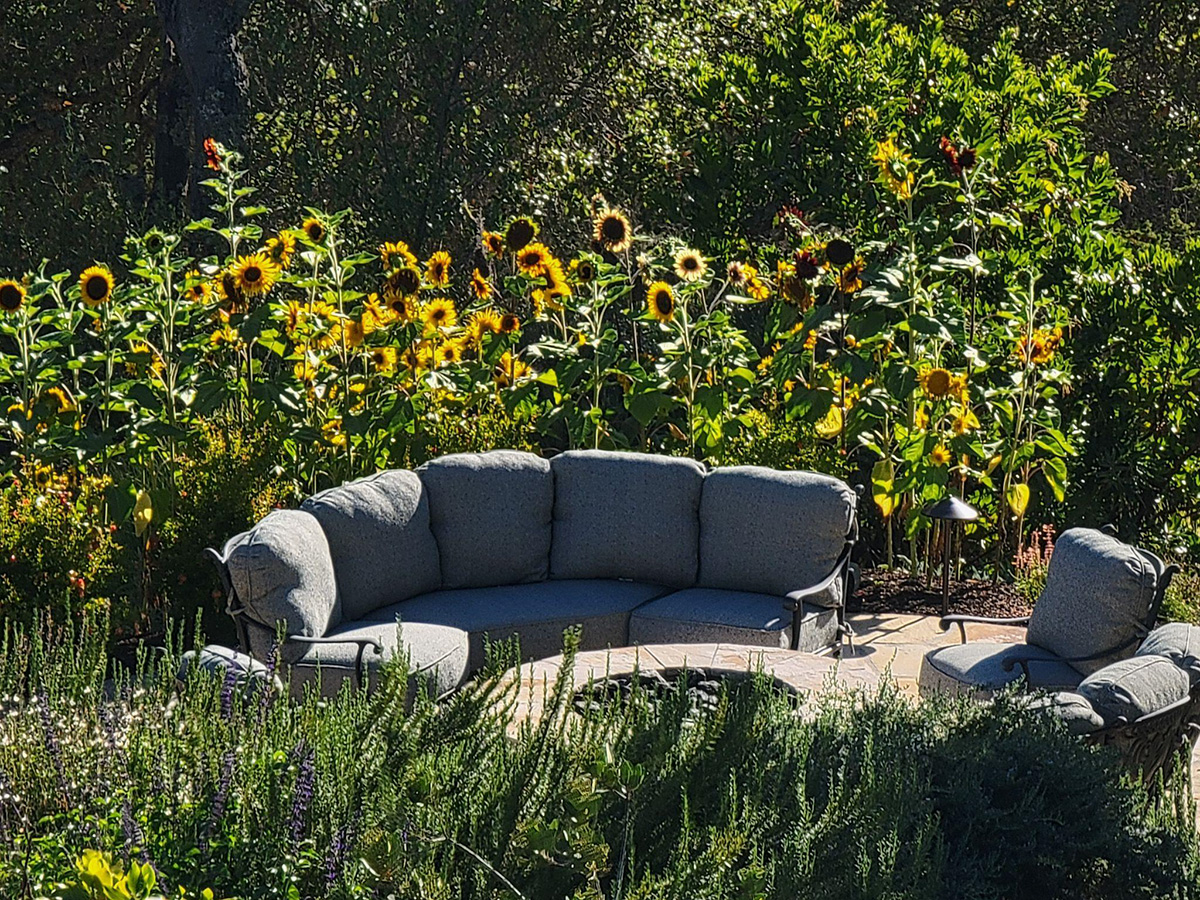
(1018, 498)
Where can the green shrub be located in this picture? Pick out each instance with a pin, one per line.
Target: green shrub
(864, 795)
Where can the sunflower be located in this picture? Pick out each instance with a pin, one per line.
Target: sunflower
(936, 382)
(405, 281)
(255, 274)
(293, 317)
(225, 336)
(354, 332)
(331, 431)
(532, 259)
(144, 360)
(612, 230)
(481, 287)
(281, 247)
(403, 307)
(439, 313)
(551, 296)
(509, 370)
(314, 229)
(509, 322)
(583, 270)
(896, 168)
(410, 359)
(806, 266)
(739, 273)
(375, 316)
(212, 154)
(965, 421)
(437, 269)
(43, 477)
(395, 254)
(95, 285)
(756, 288)
(450, 352)
(849, 279)
(384, 360)
(1041, 347)
(839, 252)
(940, 455)
(484, 321)
(661, 302)
(492, 243)
(197, 291)
(520, 231)
(12, 296)
(59, 398)
(690, 265)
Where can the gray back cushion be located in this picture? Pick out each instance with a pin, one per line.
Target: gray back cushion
(1132, 688)
(771, 532)
(491, 516)
(626, 515)
(1178, 642)
(1097, 596)
(281, 570)
(382, 548)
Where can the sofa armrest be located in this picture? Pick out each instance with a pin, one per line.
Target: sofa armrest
(962, 622)
(843, 571)
(362, 642)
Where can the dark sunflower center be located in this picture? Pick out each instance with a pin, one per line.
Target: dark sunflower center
(10, 297)
(662, 302)
(96, 287)
(520, 233)
(406, 281)
(613, 229)
(315, 233)
(438, 315)
(253, 274)
(691, 263)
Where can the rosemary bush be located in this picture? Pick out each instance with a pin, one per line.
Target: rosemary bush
(209, 787)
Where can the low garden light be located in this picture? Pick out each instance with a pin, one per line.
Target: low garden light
(949, 511)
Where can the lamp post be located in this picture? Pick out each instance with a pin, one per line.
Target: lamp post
(948, 511)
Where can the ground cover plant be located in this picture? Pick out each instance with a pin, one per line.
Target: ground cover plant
(141, 786)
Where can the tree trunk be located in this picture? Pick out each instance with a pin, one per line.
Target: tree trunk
(202, 38)
(173, 131)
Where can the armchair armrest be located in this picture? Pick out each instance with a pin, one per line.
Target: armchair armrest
(962, 621)
(1023, 661)
(362, 642)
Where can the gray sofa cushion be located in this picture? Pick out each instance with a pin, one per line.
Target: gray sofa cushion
(978, 667)
(711, 615)
(626, 515)
(537, 613)
(772, 532)
(435, 652)
(1131, 688)
(1178, 642)
(379, 538)
(490, 514)
(1097, 596)
(281, 569)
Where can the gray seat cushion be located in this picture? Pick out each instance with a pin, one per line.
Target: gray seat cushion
(1098, 596)
(626, 515)
(281, 570)
(382, 548)
(711, 615)
(772, 532)
(978, 667)
(435, 653)
(1178, 642)
(537, 613)
(490, 514)
(1131, 688)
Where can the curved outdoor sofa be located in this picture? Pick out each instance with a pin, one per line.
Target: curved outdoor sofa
(632, 548)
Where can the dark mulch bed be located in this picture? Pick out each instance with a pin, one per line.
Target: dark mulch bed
(896, 592)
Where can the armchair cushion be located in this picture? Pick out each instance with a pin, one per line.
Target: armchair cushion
(1178, 642)
(1072, 709)
(1131, 688)
(626, 515)
(379, 538)
(711, 615)
(281, 570)
(491, 515)
(978, 667)
(772, 532)
(1098, 596)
